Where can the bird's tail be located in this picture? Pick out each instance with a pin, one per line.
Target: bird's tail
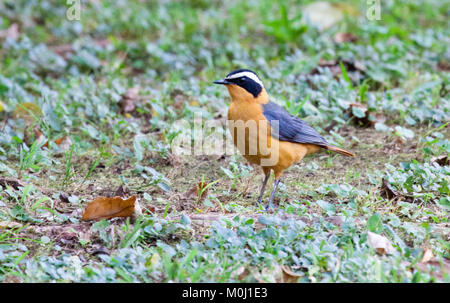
(340, 150)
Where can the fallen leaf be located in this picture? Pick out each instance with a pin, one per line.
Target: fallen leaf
(68, 238)
(122, 191)
(387, 191)
(194, 192)
(335, 67)
(107, 208)
(240, 273)
(149, 210)
(28, 112)
(443, 65)
(442, 160)
(288, 275)
(361, 116)
(128, 101)
(40, 138)
(64, 143)
(345, 37)
(380, 243)
(14, 183)
(427, 255)
(64, 197)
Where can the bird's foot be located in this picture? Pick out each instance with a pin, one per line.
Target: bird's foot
(270, 207)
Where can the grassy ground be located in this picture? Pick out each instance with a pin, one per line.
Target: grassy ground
(92, 107)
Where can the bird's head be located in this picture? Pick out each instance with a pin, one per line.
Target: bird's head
(243, 84)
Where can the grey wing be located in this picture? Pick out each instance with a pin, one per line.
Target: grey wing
(290, 128)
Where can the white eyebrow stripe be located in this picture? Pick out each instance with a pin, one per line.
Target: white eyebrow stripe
(247, 74)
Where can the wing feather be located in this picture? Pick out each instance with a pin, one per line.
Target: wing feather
(291, 128)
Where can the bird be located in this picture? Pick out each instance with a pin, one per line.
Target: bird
(287, 138)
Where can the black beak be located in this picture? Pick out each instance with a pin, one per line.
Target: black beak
(223, 81)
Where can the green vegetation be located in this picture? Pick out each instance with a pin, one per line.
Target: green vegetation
(109, 90)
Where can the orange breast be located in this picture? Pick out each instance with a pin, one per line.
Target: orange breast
(251, 134)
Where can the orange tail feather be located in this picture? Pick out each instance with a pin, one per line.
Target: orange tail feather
(340, 150)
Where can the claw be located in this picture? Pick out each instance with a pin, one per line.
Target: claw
(270, 206)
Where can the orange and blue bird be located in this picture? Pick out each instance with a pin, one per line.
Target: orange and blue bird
(279, 139)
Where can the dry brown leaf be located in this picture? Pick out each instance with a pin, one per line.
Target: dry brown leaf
(335, 67)
(149, 210)
(240, 273)
(122, 191)
(288, 275)
(345, 37)
(14, 183)
(64, 198)
(442, 160)
(40, 138)
(193, 193)
(369, 119)
(28, 112)
(443, 65)
(107, 208)
(128, 102)
(387, 191)
(427, 255)
(64, 143)
(332, 65)
(68, 238)
(380, 243)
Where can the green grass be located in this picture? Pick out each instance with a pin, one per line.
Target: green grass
(79, 73)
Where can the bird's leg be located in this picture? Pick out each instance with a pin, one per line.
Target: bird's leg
(263, 188)
(275, 186)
